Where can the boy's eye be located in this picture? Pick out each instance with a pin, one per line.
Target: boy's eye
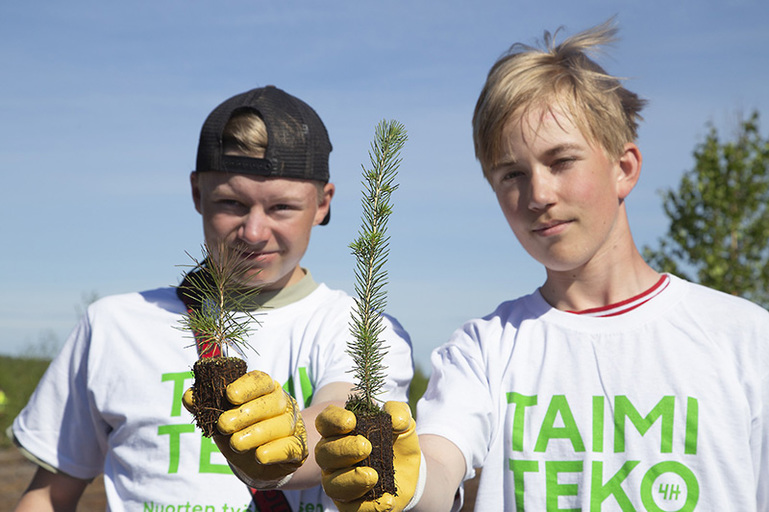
(563, 163)
(228, 204)
(511, 175)
(506, 176)
(282, 207)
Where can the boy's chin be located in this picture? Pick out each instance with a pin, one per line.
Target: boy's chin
(253, 282)
(265, 283)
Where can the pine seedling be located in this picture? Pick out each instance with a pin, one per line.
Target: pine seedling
(220, 316)
(371, 250)
(224, 317)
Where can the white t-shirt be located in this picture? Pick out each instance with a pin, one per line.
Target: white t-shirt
(663, 408)
(111, 400)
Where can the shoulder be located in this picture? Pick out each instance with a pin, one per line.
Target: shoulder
(331, 296)
(123, 316)
(734, 327)
(159, 298)
(509, 314)
(333, 303)
(323, 302)
(720, 306)
(487, 338)
(322, 310)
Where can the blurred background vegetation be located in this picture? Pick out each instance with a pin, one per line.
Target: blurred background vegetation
(18, 378)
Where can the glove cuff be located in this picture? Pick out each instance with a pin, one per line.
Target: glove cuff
(261, 485)
(420, 484)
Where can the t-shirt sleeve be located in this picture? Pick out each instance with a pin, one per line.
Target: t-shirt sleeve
(457, 403)
(60, 425)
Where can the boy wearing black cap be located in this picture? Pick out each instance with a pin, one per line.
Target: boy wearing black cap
(111, 401)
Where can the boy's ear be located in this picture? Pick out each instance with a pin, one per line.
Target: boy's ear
(195, 185)
(630, 169)
(325, 202)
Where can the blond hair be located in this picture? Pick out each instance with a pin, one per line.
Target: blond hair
(245, 133)
(558, 76)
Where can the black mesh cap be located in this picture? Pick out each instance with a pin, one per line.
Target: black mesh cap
(297, 141)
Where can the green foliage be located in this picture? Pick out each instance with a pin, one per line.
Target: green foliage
(225, 316)
(18, 379)
(371, 249)
(417, 389)
(719, 218)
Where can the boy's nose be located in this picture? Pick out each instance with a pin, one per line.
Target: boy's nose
(254, 229)
(541, 191)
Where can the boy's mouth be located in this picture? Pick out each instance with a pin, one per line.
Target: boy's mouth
(258, 255)
(552, 227)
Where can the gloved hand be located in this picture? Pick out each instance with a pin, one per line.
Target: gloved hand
(264, 439)
(337, 451)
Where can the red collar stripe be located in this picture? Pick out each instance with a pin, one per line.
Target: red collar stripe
(627, 305)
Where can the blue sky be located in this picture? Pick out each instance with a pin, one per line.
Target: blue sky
(101, 105)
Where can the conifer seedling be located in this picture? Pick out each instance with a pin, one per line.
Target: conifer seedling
(371, 249)
(220, 317)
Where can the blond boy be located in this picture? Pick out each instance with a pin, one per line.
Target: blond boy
(611, 386)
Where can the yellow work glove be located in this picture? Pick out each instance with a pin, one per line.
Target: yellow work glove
(263, 438)
(338, 451)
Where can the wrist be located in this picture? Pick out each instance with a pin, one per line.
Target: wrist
(261, 485)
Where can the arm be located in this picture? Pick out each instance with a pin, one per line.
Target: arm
(335, 393)
(54, 492)
(445, 471)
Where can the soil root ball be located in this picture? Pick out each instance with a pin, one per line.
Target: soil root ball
(378, 428)
(212, 376)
